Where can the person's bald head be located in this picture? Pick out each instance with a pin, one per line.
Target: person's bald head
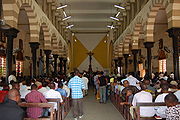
(14, 94)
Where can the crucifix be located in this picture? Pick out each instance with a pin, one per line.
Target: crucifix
(90, 54)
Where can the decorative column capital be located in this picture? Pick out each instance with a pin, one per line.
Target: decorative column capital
(135, 51)
(34, 45)
(149, 44)
(61, 58)
(65, 59)
(47, 52)
(11, 32)
(126, 55)
(55, 56)
(174, 32)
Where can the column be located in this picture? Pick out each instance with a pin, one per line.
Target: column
(64, 63)
(34, 46)
(135, 52)
(126, 62)
(61, 64)
(10, 34)
(47, 52)
(148, 46)
(116, 65)
(174, 33)
(120, 64)
(49, 11)
(55, 63)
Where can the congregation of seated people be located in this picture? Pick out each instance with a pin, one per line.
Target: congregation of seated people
(161, 88)
(31, 91)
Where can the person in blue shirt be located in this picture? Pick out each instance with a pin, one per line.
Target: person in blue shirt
(61, 90)
(76, 85)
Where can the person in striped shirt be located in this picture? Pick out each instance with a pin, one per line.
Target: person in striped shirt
(76, 85)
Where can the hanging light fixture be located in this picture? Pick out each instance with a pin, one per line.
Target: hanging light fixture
(114, 18)
(60, 7)
(70, 26)
(66, 18)
(110, 26)
(65, 15)
(118, 14)
(120, 7)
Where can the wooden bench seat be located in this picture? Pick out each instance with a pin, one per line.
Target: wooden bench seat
(62, 108)
(42, 105)
(137, 110)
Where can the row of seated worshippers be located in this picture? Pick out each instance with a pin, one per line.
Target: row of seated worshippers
(37, 92)
(133, 91)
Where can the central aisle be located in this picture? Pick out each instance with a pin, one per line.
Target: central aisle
(93, 110)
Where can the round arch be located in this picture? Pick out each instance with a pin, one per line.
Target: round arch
(11, 11)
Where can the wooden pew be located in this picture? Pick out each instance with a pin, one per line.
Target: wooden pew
(62, 108)
(59, 107)
(123, 109)
(42, 105)
(137, 110)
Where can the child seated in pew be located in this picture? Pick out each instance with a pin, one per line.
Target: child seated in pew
(173, 110)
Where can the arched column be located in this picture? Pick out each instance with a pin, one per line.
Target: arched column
(10, 34)
(34, 46)
(47, 53)
(148, 46)
(174, 33)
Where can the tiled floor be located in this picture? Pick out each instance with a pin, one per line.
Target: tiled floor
(93, 110)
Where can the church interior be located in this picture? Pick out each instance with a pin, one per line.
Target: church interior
(48, 38)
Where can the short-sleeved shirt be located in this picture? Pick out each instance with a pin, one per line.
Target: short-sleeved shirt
(102, 81)
(62, 92)
(173, 113)
(76, 85)
(35, 97)
(144, 97)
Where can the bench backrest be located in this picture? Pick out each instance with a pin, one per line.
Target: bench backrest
(152, 104)
(42, 105)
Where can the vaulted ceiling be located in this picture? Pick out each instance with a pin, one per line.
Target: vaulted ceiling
(90, 15)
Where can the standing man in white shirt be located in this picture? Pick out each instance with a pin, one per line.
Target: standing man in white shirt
(85, 80)
(144, 97)
(132, 80)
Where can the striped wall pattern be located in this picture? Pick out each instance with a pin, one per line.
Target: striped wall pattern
(146, 17)
(115, 51)
(126, 44)
(47, 37)
(135, 36)
(36, 16)
(120, 50)
(11, 10)
(150, 23)
(55, 47)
